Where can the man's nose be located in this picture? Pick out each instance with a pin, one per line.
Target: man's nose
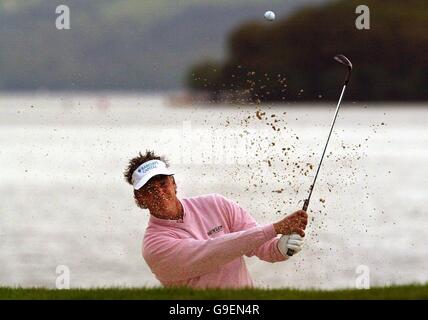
(161, 190)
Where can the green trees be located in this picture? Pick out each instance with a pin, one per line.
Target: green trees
(292, 59)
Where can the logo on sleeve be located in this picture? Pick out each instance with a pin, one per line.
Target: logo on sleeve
(215, 230)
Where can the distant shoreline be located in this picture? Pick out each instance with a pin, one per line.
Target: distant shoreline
(186, 98)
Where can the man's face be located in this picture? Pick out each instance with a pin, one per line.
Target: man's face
(160, 192)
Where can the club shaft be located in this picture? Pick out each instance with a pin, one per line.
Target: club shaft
(290, 252)
(326, 145)
(344, 61)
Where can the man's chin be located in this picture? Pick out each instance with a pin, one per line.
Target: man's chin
(166, 203)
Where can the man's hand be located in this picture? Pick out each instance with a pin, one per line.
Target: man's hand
(293, 242)
(294, 223)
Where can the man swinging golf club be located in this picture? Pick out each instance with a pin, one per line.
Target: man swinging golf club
(200, 242)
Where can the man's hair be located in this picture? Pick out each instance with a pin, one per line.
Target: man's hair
(134, 163)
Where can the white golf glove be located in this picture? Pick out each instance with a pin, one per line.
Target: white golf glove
(294, 242)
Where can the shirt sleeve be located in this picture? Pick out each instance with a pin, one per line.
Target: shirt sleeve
(174, 259)
(240, 219)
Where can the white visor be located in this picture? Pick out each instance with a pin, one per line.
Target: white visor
(148, 170)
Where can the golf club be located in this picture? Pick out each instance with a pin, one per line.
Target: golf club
(345, 61)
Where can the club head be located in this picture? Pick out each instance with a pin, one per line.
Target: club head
(343, 60)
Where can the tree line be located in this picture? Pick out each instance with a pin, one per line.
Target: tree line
(292, 59)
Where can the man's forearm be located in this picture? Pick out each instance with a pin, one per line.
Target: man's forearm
(268, 252)
(196, 257)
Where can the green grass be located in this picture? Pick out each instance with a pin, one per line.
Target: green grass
(393, 292)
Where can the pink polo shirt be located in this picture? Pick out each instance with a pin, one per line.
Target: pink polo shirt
(206, 248)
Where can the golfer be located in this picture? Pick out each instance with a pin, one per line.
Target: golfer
(200, 241)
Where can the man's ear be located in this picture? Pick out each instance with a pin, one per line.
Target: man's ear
(140, 199)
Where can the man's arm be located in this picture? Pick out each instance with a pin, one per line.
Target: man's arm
(240, 220)
(172, 259)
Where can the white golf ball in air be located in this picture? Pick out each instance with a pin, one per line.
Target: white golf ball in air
(270, 15)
